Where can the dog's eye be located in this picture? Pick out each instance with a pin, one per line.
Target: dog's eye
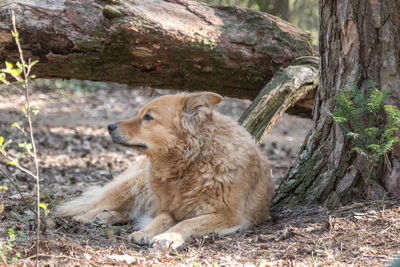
(147, 117)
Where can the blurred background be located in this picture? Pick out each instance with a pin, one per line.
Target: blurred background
(302, 13)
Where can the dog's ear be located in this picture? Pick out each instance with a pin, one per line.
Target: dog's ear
(198, 108)
(201, 101)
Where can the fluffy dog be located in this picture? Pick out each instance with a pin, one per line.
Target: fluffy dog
(201, 173)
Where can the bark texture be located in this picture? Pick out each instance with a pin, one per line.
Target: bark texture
(359, 42)
(296, 83)
(178, 44)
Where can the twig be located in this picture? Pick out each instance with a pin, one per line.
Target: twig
(344, 253)
(26, 69)
(20, 193)
(16, 164)
(52, 256)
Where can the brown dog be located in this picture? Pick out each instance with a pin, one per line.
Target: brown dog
(202, 173)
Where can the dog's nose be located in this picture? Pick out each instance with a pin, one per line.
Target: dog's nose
(111, 127)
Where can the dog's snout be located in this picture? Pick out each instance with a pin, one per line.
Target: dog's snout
(111, 127)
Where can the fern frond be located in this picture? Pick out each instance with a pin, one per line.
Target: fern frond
(375, 101)
(393, 114)
(360, 151)
(353, 135)
(344, 100)
(363, 116)
(372, 132)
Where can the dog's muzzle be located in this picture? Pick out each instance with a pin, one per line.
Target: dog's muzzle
(119, 139)
(114, 133)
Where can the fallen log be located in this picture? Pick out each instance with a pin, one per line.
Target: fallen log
(292, 89)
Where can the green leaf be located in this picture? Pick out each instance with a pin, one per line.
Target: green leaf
(26, 146)
(44, 207)
(360, 151)
(11, 234)
(9, 66)
(389, 131)
(3, 187)
(353, 135)
(1, 140)
(389, 144)
(374, 147)
(6, 144)
(5, 82)
(35, 109)
(12, 163)
(15, 34)
(22, 234)
(16, 125)
(15, 73)
(372, 131)
(375, 100)
(339, 119)
(33, 63)
(19, 155)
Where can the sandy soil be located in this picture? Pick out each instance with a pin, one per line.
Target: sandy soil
(76, 152)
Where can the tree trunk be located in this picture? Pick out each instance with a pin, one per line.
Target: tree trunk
(359, 43)
(281, 9)
(177, 44)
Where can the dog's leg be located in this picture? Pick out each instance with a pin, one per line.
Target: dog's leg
(198, 226)
(158, 225)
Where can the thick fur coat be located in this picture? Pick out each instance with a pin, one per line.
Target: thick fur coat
(201, 173)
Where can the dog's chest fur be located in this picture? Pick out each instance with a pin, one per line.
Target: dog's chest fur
(196, 193)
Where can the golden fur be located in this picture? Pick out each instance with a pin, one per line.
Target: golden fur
(201, 173)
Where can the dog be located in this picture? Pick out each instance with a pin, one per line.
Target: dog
(201, 173)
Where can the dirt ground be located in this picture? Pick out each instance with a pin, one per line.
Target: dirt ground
(76, 152)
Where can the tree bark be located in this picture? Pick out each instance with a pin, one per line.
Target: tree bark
(281, 9)
(176, 44)
(359, 43)
(296, 83)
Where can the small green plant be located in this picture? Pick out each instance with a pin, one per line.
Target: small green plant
(370, 123)
(20, 73)
(6, 249)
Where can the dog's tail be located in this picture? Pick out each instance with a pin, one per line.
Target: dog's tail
(82, 207)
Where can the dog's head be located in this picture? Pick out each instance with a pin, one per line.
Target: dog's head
(160, 124)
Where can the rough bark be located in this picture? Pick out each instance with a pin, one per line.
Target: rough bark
(178, 44)
(296, 82)
(359, 42)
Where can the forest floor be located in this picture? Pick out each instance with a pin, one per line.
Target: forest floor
(76, 152)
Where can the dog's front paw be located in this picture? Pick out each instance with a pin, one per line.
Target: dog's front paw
(141, 237)
(167, 241)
